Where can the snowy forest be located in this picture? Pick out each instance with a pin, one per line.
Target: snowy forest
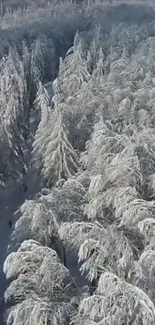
(77, 162)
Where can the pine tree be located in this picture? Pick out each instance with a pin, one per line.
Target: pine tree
(58, 158)
(61, 161)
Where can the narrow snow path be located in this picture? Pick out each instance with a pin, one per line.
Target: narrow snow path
(72, 265)
(9, 203)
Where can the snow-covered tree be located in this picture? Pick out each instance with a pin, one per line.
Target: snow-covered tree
(73, 71)
(100, 249)
(38, 222)
(52, 148)
(14, 112)
(115, 302)
(67, 200)
(41, 288)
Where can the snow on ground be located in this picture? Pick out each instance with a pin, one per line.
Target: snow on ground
(72, 265)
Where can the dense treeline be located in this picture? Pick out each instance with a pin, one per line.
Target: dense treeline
(77, 101)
